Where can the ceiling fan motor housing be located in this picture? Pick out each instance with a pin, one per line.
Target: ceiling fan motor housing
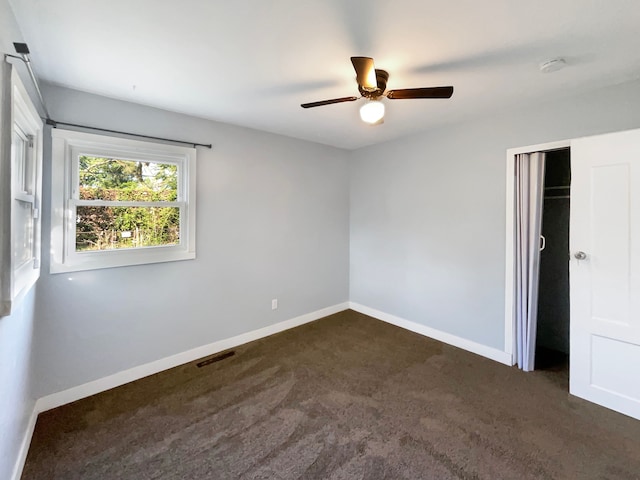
(381, 79)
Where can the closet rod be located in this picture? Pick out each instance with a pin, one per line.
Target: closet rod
(23, 54)
(550, 197)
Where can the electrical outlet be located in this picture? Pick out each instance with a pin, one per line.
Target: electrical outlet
(274, 304)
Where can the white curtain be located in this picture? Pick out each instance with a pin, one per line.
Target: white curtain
(529, 178)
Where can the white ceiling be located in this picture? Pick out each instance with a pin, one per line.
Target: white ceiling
(252, 62)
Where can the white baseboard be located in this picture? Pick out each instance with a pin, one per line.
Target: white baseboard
(463, 343)
(91, 388)
(106, 383)
(24, 446)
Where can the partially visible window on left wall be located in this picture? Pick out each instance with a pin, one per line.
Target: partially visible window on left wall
(21, 187)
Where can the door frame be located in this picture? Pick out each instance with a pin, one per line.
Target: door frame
(509, 284)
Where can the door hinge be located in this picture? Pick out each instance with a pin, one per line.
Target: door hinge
(36, 213)
(36, 263)
(30, 141)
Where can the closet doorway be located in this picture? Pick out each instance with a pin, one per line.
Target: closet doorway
(552, 339)
(604, 266)
(552, 347)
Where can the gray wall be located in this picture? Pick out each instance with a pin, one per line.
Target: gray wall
(428, 211)
(16, 398)
(272, 221)
(426, 216)
(16, 330)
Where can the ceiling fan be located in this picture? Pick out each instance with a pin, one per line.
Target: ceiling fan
(372, 84)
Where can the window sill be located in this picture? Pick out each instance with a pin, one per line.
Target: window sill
(118, 258)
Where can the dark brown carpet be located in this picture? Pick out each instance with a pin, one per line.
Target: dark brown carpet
(346, 397)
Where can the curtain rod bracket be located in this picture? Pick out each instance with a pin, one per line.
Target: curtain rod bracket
(23, 54)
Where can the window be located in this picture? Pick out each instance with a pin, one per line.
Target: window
(20, 199)
(118, 202)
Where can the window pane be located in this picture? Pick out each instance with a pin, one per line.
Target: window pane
(23, 233)
(114, 179)
(20, 164)
(108, 228)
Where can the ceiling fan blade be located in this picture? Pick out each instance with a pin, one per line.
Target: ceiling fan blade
(430, 92)
(328, 102)
(365, 73)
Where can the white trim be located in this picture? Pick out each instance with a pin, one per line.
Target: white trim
(24, 446)
(106, 383)
(19, 114)
(67, 145)
(540, 147)
(463, 343)
(509, 275)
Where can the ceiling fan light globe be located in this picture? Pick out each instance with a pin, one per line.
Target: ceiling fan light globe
(372, 111)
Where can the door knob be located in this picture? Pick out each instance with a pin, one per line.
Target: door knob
(580, 255)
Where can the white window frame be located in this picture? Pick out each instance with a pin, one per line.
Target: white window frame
(16, 279)
(67, 146)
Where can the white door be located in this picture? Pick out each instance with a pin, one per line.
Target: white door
(604, 271)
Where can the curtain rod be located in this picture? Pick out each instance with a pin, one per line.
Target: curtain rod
(23, 50)
(55, 124)
(23, 54)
